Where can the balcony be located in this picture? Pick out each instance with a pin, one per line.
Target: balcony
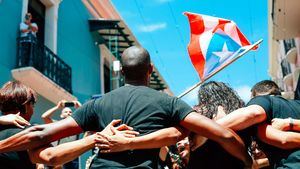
(115, 35)
(30, 53)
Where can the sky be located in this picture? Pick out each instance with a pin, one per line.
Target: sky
(161, 28)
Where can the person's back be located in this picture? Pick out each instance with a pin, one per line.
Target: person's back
(13, 160)
(144, 109)
(212, 156)
(278, 107)
(216, 100)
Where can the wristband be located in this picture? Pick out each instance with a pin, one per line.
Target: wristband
(291, 123)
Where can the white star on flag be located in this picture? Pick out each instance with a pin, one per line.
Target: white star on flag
(224, 54)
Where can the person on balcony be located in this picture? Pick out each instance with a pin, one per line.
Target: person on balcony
(28, 28)
(27, 41)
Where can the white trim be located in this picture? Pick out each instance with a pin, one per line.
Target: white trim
(24, 10)
(51, 19)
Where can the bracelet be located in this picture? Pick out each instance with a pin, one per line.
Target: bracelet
(291, 123)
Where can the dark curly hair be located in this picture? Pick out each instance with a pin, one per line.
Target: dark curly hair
(213, 94)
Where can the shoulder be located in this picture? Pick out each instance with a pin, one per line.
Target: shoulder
(89, 104)
(260, 100)
(8, 131)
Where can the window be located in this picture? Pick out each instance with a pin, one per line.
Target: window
(285, 67)
(288, 44)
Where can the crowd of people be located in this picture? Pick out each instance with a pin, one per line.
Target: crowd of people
(135, 126)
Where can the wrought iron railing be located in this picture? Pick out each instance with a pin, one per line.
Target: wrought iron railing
(31, 53)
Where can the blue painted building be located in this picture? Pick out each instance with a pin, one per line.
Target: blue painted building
(66, 35)
(77, 44)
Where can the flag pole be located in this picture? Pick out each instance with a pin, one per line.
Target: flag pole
(221, 68)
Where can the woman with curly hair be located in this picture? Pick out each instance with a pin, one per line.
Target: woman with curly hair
(216, 99)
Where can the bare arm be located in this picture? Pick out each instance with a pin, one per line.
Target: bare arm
(160, 138)
(25, 30)
(37, 136)
(157, 139)
(62, 153)
(287, 124)
(230, 141)
(47, 115)
(243, 118)
(278, 138)
(194, 122)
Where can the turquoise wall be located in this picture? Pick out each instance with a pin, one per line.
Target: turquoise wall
(77, 48)
(10, 18)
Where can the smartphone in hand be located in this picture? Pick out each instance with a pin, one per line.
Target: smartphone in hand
(69, 104)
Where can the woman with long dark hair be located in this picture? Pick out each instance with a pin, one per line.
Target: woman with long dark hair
(216, 100)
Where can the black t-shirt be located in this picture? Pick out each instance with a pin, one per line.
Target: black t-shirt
(13, 160)
(144, 109)
(278, 107)
(212, 156)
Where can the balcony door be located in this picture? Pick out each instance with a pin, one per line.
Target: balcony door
(37, 10)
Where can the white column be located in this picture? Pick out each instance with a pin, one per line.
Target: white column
(297, 41)
(24, 9)
(51, 27)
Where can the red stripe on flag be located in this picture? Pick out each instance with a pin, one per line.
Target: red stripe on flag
(197, 58)
(196, 55)
(243, 39)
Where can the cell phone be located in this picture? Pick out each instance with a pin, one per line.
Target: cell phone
(69, 104)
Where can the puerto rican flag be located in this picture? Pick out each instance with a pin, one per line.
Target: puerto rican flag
(214, 42)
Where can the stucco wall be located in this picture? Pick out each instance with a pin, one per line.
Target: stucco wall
(77, 48)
